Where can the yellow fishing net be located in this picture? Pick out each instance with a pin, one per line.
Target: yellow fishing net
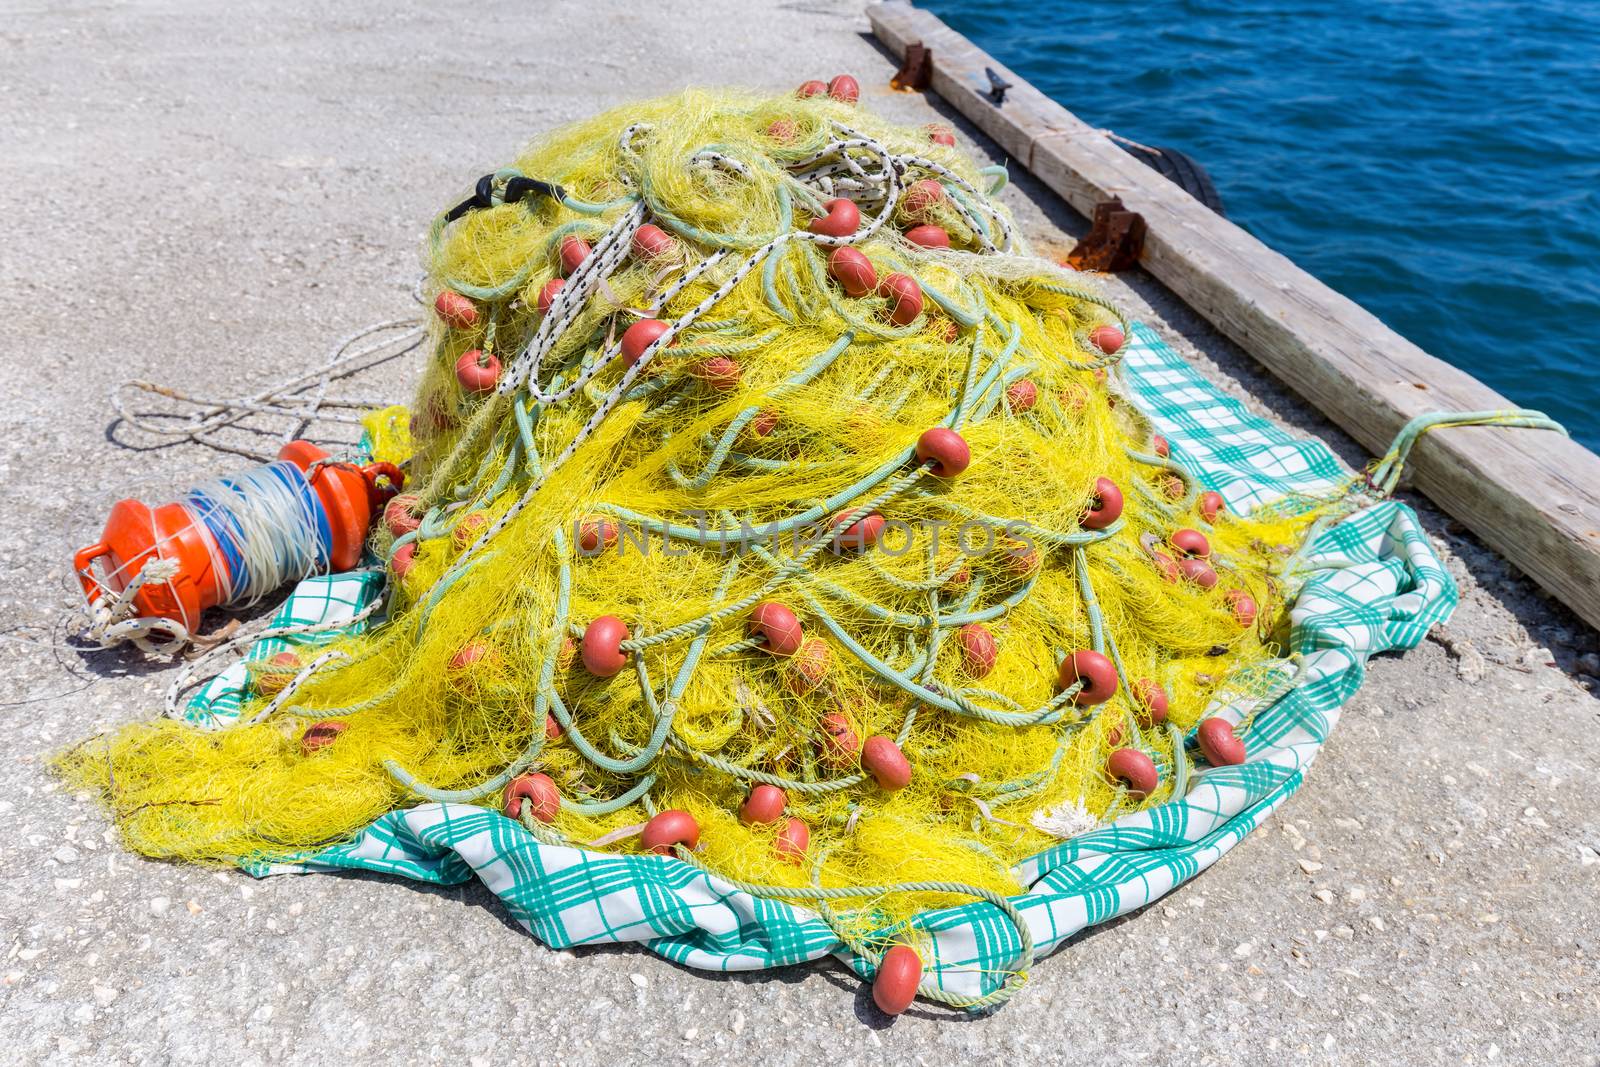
(758, 447)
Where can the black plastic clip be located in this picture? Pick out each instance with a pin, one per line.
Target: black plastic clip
(479, 199)
(519, 187)
(516, 189)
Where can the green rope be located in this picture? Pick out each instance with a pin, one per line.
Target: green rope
(1386, 475)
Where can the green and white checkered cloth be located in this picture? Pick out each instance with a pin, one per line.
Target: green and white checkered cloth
(328, 598)
(1375, 584)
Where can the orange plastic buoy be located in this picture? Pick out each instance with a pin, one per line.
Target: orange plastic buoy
(538, 791)
(547, 295)
(1190, 542)
(1166, 566)
(1074, 397)
(469, 529)
(602, 646)
(1021, 396)
(471, 653)
(882, 758)
(1106, 338)
(1220, 745)
(814, 87)
(764, 423)
(399, 514)
(719, 372)
(1135, 770)
(978, 649)
(1198, 571)
(946, 449)
(1098, 674)
(574, 250)
(1244, 607)
(1172, 486)
(808, 667)
(859, 535)
(669, 828)
(1211, 505)
(596, 534)
(894, 987)
(959, 580)
(793, 841)
(1105, 507)
(269, 683)
(136, 533)
(640, 336)
(764, 804)
(928, 236)
(319, 735)
(774, 623)
(567, 654)
(650, 241)
(905, 298)
(940, 134)
(457, 311)
(1150, 702)
(853, 271)
(348, 495)
(840, 746)
(552, 729)
(844, 89)
(403, 559)
(1022, 560)
(1159, 446)
(842, 220)
(478, 372)
(784, 131)
(435, 418)
(922, 197)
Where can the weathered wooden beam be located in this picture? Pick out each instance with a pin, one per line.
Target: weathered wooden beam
(1533, 495)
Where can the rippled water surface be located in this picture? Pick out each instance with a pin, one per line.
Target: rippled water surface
(1436, 160)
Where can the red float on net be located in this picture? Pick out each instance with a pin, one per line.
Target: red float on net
(894, 987)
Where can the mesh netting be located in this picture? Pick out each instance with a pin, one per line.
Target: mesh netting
(988, 607)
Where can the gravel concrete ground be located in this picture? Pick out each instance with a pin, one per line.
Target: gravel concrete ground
(209, 198)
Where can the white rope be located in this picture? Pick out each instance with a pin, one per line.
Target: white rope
(268, 516)
(333, 655)
(302, 398)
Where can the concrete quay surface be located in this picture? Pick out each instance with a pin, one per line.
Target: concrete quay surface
(212, 194)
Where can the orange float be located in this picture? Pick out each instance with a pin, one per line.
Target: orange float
(894, 987)
(203, 543)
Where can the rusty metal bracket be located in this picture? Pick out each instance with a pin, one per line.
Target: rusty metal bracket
(915, 70)
(1114, 242)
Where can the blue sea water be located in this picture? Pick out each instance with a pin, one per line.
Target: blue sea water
(1438, 161)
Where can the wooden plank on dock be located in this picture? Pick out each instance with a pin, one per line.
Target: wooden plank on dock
(1532, 495)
